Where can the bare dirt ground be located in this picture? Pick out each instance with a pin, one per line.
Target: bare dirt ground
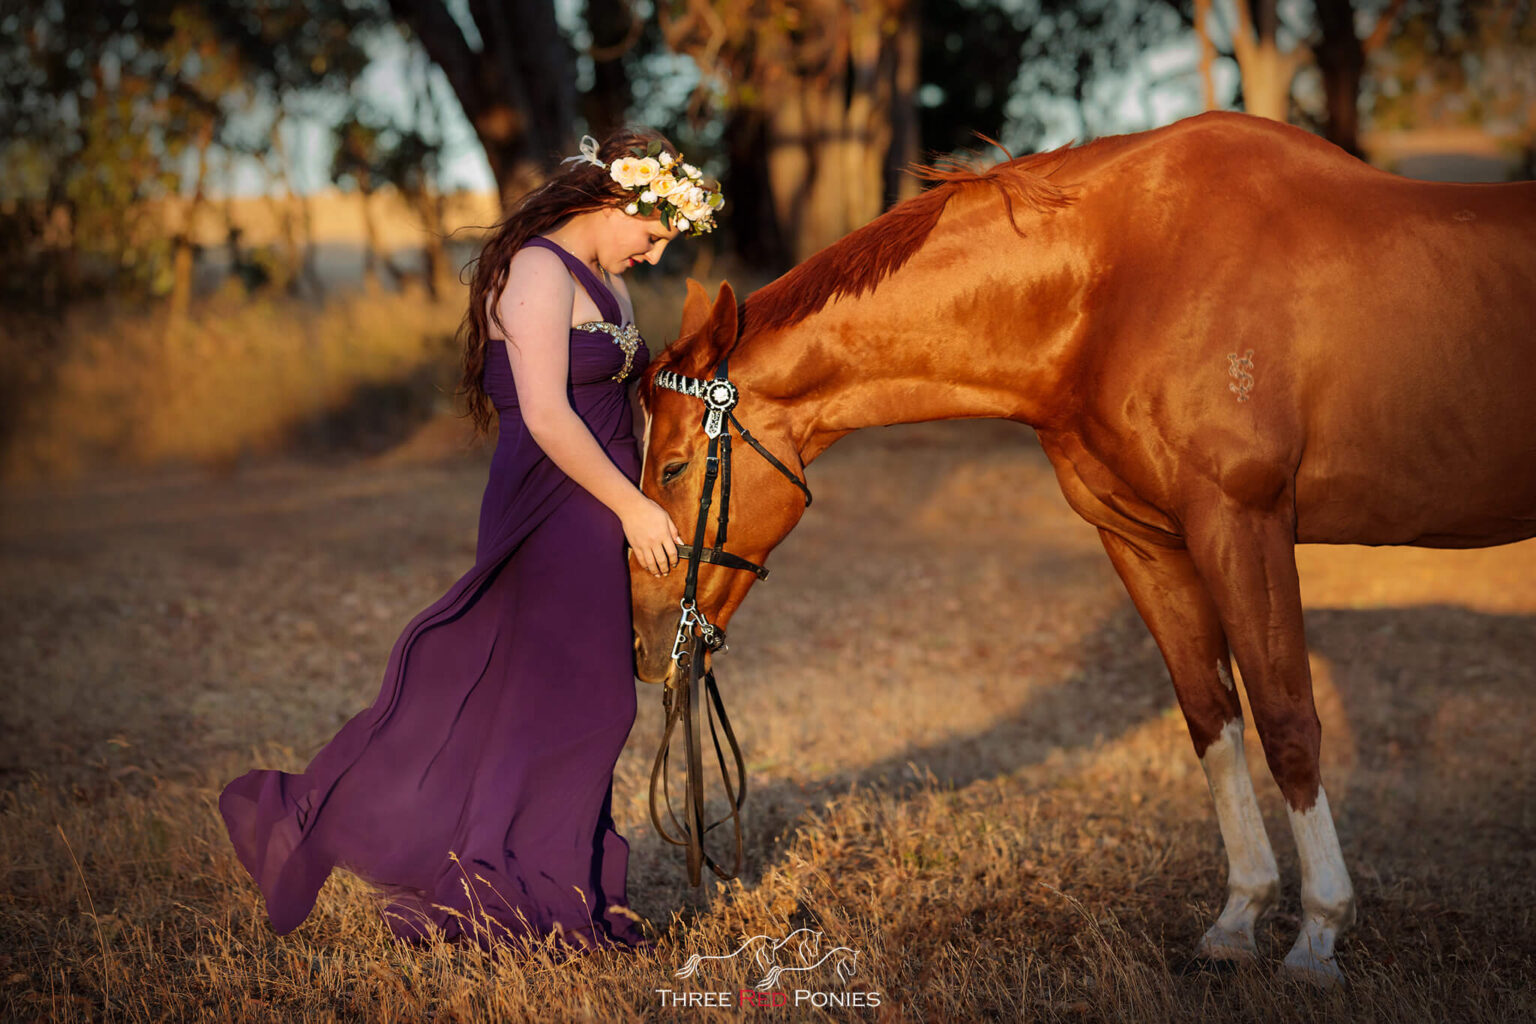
(965, 759)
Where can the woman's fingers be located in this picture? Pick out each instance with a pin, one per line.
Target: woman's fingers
(677, 538)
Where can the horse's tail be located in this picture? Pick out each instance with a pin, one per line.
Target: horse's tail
(686, 971)
(770, 979)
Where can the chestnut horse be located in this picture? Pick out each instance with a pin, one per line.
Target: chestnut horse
(1231, 337)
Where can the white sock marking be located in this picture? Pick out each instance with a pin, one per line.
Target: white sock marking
(1253, 880)
(1327, 897)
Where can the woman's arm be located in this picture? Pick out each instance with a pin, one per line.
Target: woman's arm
(535, 309)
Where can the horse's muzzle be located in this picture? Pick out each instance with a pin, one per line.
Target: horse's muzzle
(653, 646)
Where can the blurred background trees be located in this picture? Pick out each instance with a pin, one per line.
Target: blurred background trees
(108, 107)
(137, 136)
(810, 108)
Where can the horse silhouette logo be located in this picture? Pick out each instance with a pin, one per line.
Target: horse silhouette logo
(798, 952)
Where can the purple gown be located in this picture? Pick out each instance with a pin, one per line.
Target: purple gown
(480, 781)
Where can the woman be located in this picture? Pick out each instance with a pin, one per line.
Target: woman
(476, 791)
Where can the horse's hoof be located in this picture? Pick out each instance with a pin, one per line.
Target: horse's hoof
(1304, 965)
(1219, 945)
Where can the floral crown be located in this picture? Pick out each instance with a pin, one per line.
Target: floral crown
(678, 192)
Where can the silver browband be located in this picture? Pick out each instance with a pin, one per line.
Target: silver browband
(719, 397)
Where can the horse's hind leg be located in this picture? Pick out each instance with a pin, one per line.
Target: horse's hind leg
(1177, 608)
(1248, 561)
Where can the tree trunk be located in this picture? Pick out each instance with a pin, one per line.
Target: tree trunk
(837, 122)
(1266, 71)
(428, 203)
(751, 220)
(1341, 57)
(182, 257)
(371, 254)
(901, 65)
(518, 90)
(615, 27)
(285, 212)
(1207, 54)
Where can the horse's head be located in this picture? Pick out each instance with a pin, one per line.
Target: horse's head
(764, 504)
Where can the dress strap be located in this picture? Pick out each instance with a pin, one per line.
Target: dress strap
(607, 304)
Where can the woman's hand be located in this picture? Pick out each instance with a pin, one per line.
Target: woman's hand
(651, 535)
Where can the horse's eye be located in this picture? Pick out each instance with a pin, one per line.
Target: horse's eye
(672, 470)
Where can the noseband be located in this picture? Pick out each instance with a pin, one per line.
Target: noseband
(696, 634)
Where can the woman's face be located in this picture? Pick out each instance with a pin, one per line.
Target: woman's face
(627, 240)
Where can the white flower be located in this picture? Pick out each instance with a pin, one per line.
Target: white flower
(682, 224)
(625, 171)
(632, 209)
(646, 170)
(691, 171)
(665, 159)
(666, 185)
(647, 196)
(693, 203)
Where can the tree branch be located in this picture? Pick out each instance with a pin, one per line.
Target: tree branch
(1383, 28)
(445, 44)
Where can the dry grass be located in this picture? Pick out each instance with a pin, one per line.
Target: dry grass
(964, 758)
(107, 387)
(242, 380)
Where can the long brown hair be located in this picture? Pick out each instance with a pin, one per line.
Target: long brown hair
(581, 187)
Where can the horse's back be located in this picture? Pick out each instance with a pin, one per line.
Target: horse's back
(1375, 332)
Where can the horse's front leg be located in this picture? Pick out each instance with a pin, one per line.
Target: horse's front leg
(1174, 602)
(1247, 558)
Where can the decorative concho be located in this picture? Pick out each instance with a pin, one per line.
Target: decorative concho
(626, 337)
(720, 394)
(719, 397)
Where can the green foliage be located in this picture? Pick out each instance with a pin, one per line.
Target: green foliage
(1469, 63)
(110, 107)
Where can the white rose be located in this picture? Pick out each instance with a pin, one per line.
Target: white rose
(691, 171)
(665, 185)
(665, 159)
(647, 196)
(632, 209)
(646, 170)
(682, 224)
(624, 171)
(694, 204)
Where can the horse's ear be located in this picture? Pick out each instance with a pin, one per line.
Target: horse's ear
(695, 309)
(722, 319)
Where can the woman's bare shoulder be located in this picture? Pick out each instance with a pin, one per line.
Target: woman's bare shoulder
(536, 274)
(536, 261)
(538, 288)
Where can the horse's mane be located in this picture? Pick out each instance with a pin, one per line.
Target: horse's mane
(857, 262)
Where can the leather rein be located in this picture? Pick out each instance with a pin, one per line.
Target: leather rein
(696, 636)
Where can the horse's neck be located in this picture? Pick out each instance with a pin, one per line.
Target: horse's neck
(966, 330)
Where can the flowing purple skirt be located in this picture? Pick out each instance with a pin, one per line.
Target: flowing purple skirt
(476, 791)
